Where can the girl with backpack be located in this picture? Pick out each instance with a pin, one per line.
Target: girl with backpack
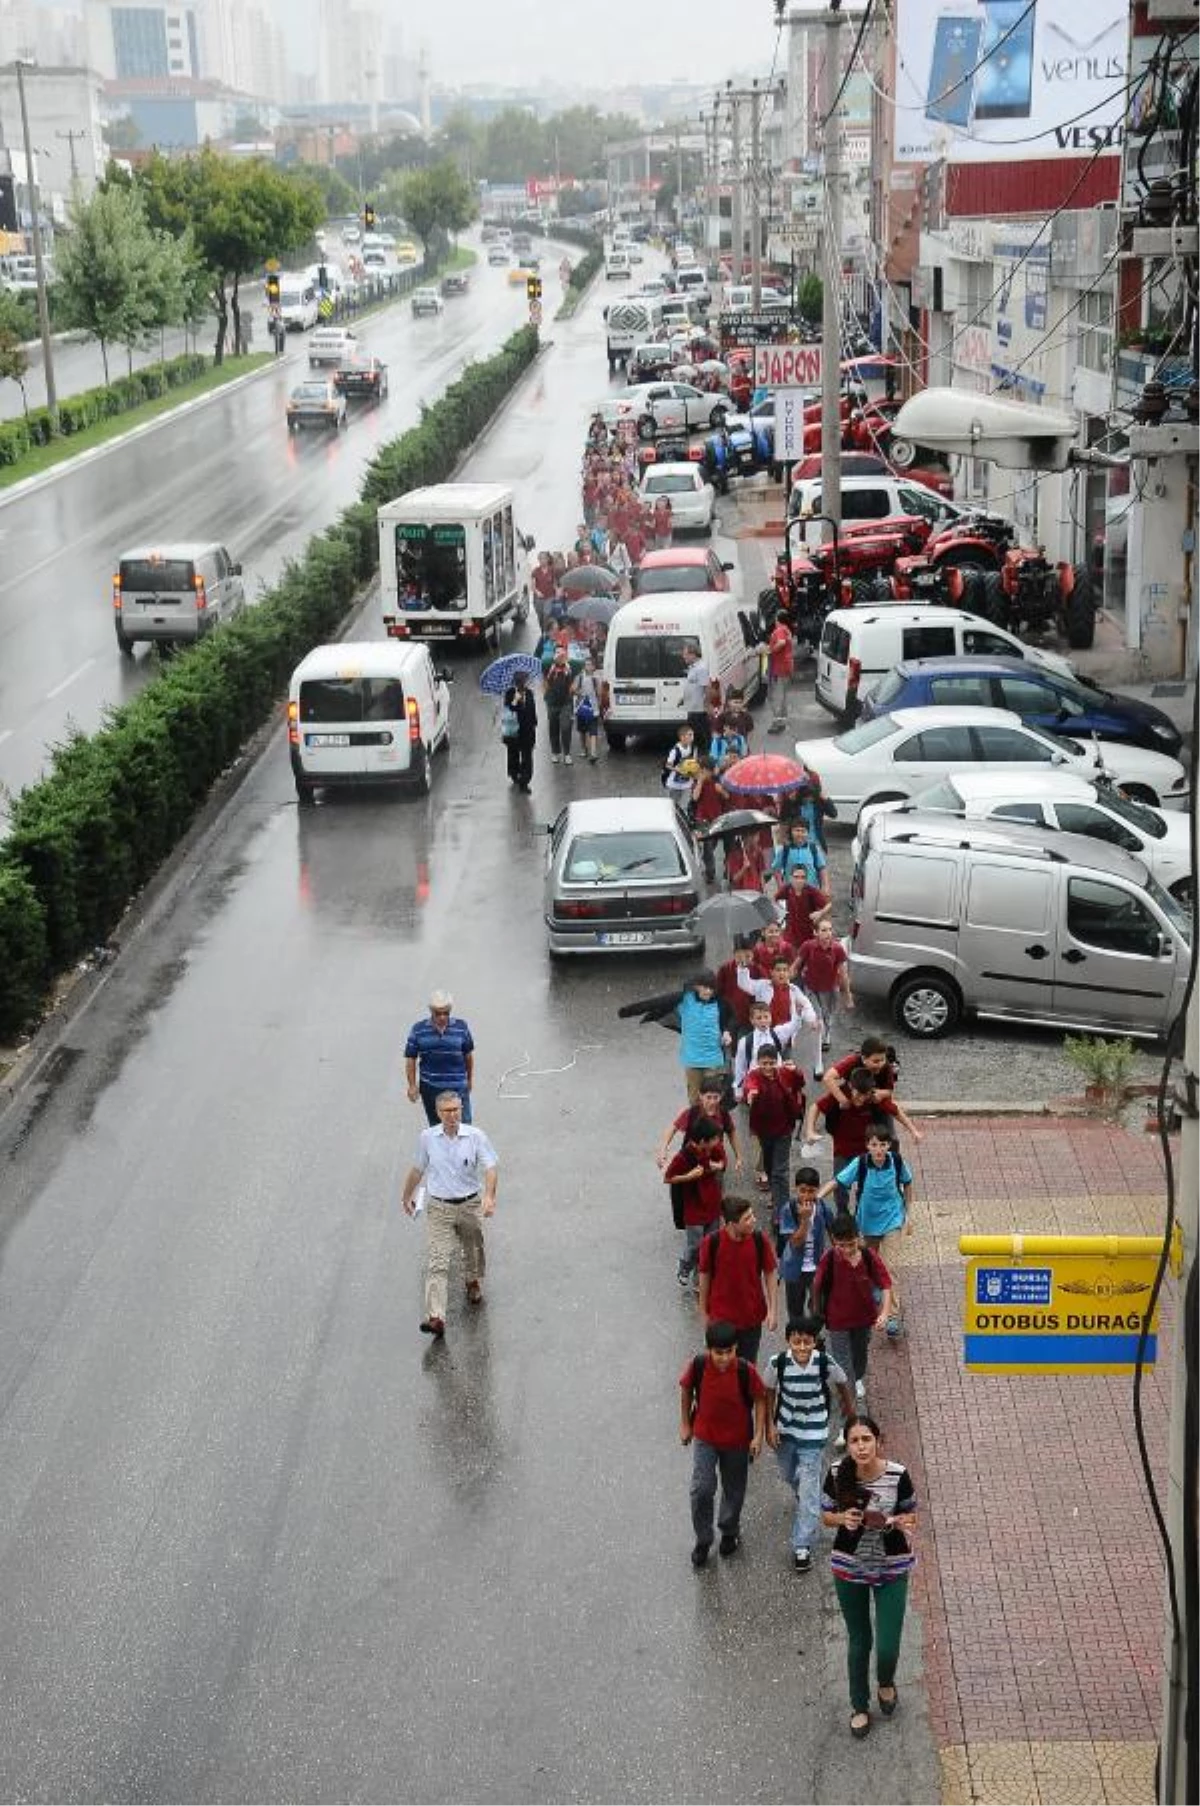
(870, 1502)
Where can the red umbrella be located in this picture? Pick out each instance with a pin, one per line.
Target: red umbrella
(765, 774)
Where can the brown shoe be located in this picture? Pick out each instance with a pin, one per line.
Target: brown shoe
(474, 1292)
(433, 1326)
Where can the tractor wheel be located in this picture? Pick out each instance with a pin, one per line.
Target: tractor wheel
(862, 589)
(1079, 611)
(881, 588)
(989, 588)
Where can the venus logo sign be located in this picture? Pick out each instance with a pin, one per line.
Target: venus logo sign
(787, 366)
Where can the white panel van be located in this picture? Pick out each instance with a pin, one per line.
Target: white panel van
(366, 712)
(860, 645)
(643, 657)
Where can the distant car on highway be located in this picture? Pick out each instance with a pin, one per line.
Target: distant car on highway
(456, 283)
(427, 301)
(622, 875)
(174, 593)
(331, 345)
(316, 403)
(362, 375)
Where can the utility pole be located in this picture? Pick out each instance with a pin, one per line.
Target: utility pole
(831, 270)
(735, 151)
(679, 181)
(757, 95)
(71, 137)
(39, 263)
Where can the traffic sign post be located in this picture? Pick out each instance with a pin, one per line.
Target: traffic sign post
(1058, 1303)
(535, 313)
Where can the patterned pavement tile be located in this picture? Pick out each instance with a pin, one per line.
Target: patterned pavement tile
(1126, 1772)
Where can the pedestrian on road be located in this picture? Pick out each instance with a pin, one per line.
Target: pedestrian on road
(737, 1276)
(746, 861)
(722, 1413)
(662, 524)
(804, 1224)
(798, 851)
(696, 1176)
(850, 1123)
(695, 695)
(774, 1094)
(799, 1382)
(559, 687)
(781, 662)
(805, 906)
(710, 1106)
(760, 1033)
(439, 1056)
(878, 1059)
(518, 726)
(704, 1039)
(871, 1504)
(879, 1185)
(771, 945)
(709, 802)
(824, 970)
(852, 1295)
(788, 1003)
(587, 710)
(681, 768)
(458, 1166)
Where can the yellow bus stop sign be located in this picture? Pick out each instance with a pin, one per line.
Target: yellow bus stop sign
(1057, 1303)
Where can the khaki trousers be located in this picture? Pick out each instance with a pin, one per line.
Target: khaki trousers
(450, 1223)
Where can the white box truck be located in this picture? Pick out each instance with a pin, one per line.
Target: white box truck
(453, 562)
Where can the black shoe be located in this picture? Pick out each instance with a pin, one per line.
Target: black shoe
(729, 1542)
(888, 1706)
(700, 1555)
(433, 1326)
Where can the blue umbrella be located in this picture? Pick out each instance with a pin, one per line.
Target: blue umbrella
(498, 676)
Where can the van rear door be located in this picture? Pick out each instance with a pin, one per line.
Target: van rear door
(352, 726)
(648, 675)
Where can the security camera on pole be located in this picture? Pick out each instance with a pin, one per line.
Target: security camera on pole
(831, 269)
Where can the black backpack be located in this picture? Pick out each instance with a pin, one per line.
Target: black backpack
(864, 1163)
(744, 1386)
(760, 1243)
(820, 1304)
(747, 1041)
(777, 1362)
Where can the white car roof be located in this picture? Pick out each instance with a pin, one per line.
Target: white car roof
(613, 814)
(982, 785)
(672, 470)
(958, 715)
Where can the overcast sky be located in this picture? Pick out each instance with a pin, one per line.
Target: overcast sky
(597, 42)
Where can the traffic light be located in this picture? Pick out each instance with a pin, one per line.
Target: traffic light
(272, 290)
(533, 288)
(369, 216)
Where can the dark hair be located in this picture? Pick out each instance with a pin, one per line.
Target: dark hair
(707, 979)
(734, 1209)
(844, 1228)
(862, 1081)
(872, 1044)
(807, 1175)
(723, 1335)
(711, 1081)
(781, 959)
(768, 1051)
(706, 1130)
(879, 1131)
(846, 1483)
(804, 1326)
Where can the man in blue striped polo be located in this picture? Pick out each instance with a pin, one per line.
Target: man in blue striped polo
(439, 1055)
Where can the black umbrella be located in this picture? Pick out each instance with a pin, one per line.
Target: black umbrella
(589, 580)
(738, 821)
(738, 911)
(594, 608)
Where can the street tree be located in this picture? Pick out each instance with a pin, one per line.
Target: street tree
(108, 266)
(809, 296)
(434, 201)
(14, 362)
(240, 211)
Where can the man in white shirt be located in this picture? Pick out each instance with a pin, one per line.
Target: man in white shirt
(695, 695)
(458, 1166)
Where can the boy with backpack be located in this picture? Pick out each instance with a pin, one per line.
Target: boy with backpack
(695, 1176)
(722, 1414)
(850, 1122)
(737, 1277)
(774, 1095)
(799, 1382)
(852, 1295)
(760, 1033)
(880, 1184)
(823, 969)
(681, 767)
(804, 1224)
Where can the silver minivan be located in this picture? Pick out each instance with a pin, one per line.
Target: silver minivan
(174, 593)
(956, 918)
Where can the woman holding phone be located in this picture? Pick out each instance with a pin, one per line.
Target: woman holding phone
(871, 1503)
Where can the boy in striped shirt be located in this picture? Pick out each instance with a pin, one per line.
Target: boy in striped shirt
(799, 1381)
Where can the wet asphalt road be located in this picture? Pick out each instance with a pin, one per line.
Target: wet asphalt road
(225, 470)
(257, 1538)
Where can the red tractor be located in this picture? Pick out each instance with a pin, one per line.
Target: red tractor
(976, 562)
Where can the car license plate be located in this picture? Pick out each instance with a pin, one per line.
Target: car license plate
(329, 739)
(623, 938)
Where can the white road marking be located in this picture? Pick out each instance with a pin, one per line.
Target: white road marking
(6, 733)
(68, 681)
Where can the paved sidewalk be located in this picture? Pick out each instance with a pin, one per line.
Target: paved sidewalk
(1040, 1584)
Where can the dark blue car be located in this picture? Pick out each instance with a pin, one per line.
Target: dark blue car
(1042, 698)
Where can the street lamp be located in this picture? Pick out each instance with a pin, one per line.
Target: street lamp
(43, 304)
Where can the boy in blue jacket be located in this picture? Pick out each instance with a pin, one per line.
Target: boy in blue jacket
(804, 1221)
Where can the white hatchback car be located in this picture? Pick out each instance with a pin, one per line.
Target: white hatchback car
(427, 301)
(894, 757)
(666, 407)
(1070, 803)
(692, 500)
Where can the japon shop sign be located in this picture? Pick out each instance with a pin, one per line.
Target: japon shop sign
(787, 366)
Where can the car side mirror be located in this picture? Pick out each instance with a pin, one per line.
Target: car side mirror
(237, 570)
(444, 675)
(1058, 758)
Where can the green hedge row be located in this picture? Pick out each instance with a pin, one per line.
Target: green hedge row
(76, 412)
(584, 272)
(85, 838)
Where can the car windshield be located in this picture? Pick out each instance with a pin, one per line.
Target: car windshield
(311, 392)
(669, 484)
(888, 689)
(612, 858)
(667, 577)
(943, 798)
(870, 733)
(1136, 814)
(156, 573)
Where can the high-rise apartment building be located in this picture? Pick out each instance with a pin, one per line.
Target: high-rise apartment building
(143, 39)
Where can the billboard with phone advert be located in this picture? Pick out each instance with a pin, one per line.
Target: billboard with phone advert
(1009, 80)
